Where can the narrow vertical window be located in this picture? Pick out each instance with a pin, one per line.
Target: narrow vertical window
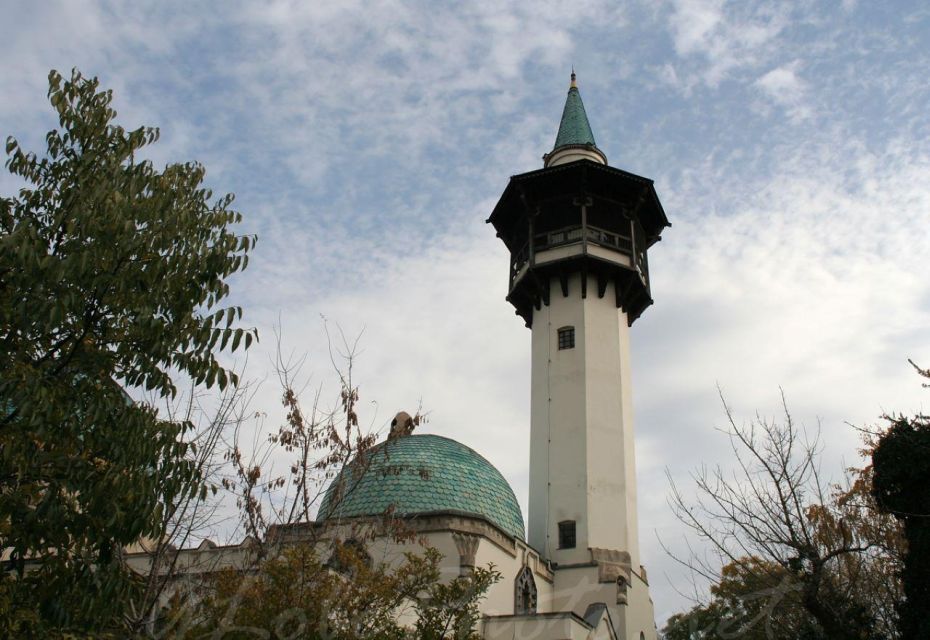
(567, 534)
(566, 338)
(525, 593)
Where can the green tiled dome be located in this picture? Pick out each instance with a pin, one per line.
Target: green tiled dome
(419, 474)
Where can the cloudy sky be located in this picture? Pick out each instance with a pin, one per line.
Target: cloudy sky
(367, 142)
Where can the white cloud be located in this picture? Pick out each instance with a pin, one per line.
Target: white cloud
(783, 87)
(695, 23)
(782, 84)
(717, 37)
(384, 71)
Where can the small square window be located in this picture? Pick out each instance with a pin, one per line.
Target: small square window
(566, 338)
(567, 534)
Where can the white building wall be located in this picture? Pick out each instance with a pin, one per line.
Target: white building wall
(567, 591)
(558, 452)
(500, 599)
(560, 627)
(578, 587)
(581, 436)
(638, 613)
(507, 555)
(611, 486)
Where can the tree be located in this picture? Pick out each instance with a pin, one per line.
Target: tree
(450, 609)
(349, 579)
(190, 515)
(799, 557)
(112, 276)
(350, 598)
(753, 600)
(318, 442)
(901, 461)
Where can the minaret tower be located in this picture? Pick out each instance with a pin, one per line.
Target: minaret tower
(578, 232)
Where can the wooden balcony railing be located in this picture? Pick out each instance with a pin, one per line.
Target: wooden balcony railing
(631, 245)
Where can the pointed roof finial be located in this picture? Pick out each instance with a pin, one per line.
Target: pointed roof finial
(575, 139)
(574, 127)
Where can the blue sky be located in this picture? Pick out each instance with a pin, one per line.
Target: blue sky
(367, 142)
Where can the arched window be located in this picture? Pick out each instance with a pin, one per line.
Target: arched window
(349, 556)
(524, 593)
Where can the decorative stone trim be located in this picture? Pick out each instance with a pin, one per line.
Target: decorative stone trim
(614, 566)
(467, 545)
(525, 594)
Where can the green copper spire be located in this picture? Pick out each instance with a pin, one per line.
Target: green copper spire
(574, 128)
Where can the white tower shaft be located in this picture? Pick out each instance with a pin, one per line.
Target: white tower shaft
(582, 467)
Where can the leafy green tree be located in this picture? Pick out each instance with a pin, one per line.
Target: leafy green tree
(112, 275)
(901, 462)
